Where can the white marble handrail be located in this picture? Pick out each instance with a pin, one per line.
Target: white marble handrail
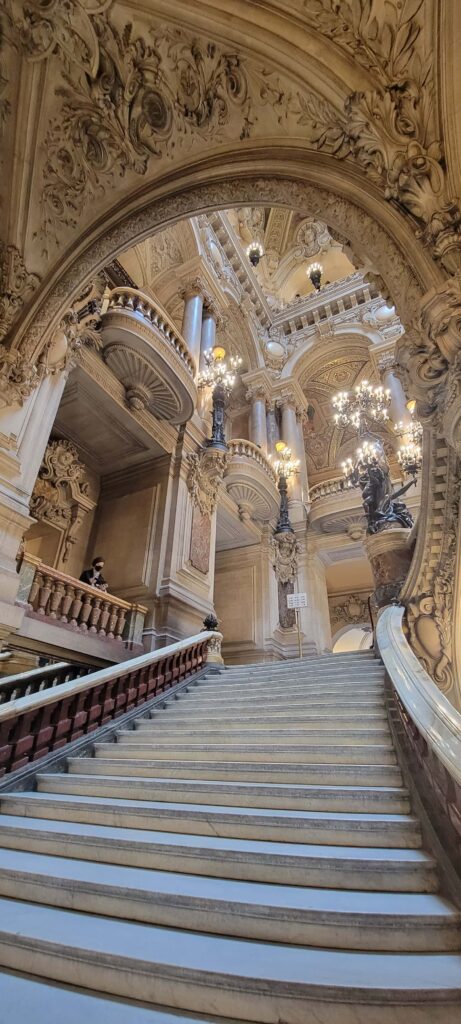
(132, 300)
(436, 718)
(240, 446)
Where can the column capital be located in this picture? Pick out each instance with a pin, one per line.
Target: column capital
(386, 362)
(193, 288)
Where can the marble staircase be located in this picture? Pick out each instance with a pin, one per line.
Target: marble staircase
(247, 852)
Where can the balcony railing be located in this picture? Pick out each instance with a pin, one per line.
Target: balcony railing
(334, 486)
(46, 678)
(58, 598)
(135, 301)
(239, 446)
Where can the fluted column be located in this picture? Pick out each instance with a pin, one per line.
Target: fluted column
(397, 409)
(192, 319)
(258, 427)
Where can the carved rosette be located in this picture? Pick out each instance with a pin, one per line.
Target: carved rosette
(206, 470)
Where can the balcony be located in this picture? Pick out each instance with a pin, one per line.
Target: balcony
(251, 482)
(69, 617)
(336, 506)
(144, 350)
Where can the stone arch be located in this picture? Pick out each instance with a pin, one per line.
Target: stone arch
(400, 260)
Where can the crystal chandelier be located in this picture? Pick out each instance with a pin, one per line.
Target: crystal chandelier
(218, 371)
(314, 273)
(255, 252)
(366, 401)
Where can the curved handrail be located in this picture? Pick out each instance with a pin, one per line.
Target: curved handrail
(241, 446)
(135, 301)
(432, 713)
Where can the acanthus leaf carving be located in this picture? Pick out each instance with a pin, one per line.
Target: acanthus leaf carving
(45, 27)
(17, 285)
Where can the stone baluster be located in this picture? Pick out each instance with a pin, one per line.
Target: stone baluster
(44, 595)
(103, 619)
(113, 616)
(76, 606)
(56, 597)
(192, 319)
(69, 593)
(120, 624)
(34, 590)
(95, 614)
(85, 612)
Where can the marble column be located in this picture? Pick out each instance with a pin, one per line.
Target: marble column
(208, 335)
(272, 428)
(192, 320)
(397, 409)
(291, 436)
(258, 426)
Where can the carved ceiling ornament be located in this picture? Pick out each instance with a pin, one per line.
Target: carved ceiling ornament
(284, 550)
(61, 493)
(53, 26)
(206, 470)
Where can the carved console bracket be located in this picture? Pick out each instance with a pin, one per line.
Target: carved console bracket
(206, 470)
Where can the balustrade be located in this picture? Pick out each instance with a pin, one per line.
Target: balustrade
(136, 302)
(333, 486)
(62, 599)
(239, 446)
(38, 679)
(39, 723)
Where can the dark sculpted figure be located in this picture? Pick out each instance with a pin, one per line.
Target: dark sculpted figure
(381, 505)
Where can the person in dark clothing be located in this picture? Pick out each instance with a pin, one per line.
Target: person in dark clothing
(94, 575)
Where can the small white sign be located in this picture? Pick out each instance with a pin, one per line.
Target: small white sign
(297, 600)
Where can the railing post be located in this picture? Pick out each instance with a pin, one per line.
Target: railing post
(213, 650)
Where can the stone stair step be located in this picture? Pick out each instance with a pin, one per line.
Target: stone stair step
(288, 734)
(259, 981)
(299, 679)
(300, 705)
(212, 819)
(332, 919)
(301, 698)
(372, 753)
(346, 720)
(25, 998)
(331, 867)
(244, 794)
(307, 774)
(289, 689)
